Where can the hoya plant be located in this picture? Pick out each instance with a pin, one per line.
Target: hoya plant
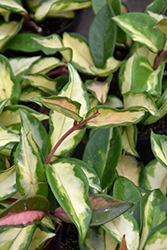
(16, 15)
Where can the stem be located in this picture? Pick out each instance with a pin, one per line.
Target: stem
(58, 71)
(159, 58)
(32, 24)
(76, 126)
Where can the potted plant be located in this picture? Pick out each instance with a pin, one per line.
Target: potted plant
(42, 168)
(40, 17)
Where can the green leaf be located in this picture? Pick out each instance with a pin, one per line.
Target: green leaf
(30, 175)
(157, 6)
(34, 127)
(106, 208)
(143, 33)
(158, 146)
(16, 237)
(62, 105)
(162, 25)
(125, 190)
(104, 147)
(72, 198)
(153, 215)
(59, 124)
(7, 183)
(102, 31)
(155, 176)
(126, 225)
(9, 84)
(110, 117)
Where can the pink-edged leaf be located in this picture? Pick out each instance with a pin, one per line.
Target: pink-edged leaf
(25, 210)
(63, 105)
(111, 117)
(99, 89)
(59, 212)
(162, 25)
(22, 218)
(106, 208)
(123, 244)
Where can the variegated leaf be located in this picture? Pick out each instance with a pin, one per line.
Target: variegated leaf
(128, 167)
(72, 198)
(24, 211)
(141, 100)
(10, 117)
(54, 43)
(143, 33)
(155, 176)
(59, 124)
(20, 65)
(153, 217)
(99, 89)
(7, 137)
(106, 208)
(29, 93)
(113, 102)
(7, 183)
(40, 236)
(110, 117)
(44, 65)
(7, 30)
(126, 225)
(104, 147)
(9, 84)
(158, 240)
(2, 104)
(156, 6)
(159, 147)
(13, 6)
(62, 105)
(45, 83)
(48, 8)
(162, 25)
(30, 175)
(16, 237)
(32, 125)
(128, 139)
(81, 56)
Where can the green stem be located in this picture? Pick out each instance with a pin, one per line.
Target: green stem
(76, 126)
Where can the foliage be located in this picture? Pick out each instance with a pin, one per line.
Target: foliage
(112, 199)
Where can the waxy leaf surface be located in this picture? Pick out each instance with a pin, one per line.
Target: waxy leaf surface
(70, 187)
(103, 152)
(62, 105)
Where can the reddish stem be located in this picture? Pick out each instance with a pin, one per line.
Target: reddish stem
(58, 71)
(76, 126)
(11, 200)
(159, 58)
(32, 24)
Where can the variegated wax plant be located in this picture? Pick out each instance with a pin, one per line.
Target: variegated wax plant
(41, 180)
(16, 13)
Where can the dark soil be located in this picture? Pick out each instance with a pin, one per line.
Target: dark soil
(157, 127)
(69, 237)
